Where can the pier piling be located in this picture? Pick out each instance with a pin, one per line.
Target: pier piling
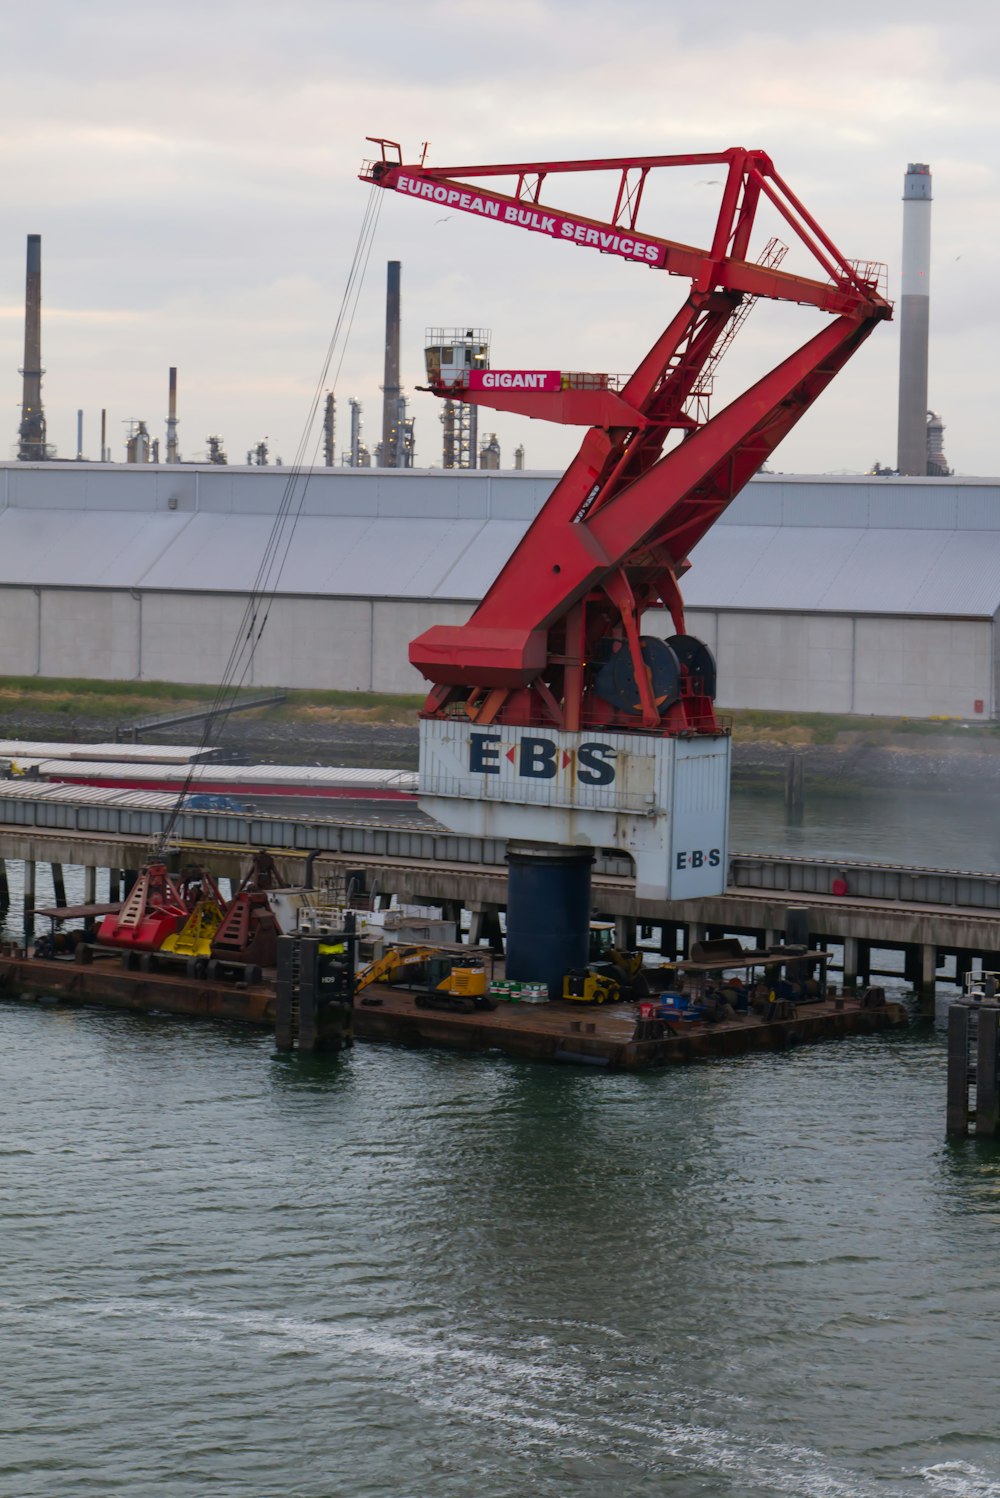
(58, 884)
(957, 1107)
(987, 1073)
(795, 788)
(927, 991)
(850, 974)
(29, 900)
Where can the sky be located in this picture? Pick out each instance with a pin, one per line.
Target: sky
(193, 172)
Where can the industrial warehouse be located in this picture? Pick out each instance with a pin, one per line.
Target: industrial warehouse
(845, 595)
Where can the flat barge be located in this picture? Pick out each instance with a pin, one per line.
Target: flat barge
(612, 1037)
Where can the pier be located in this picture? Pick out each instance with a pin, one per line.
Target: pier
(932, 916)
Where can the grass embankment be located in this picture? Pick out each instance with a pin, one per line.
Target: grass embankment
(845, 731)
(81, 702)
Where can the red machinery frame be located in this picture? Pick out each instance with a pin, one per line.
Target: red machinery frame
(614, 535)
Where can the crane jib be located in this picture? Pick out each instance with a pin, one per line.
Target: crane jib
(528, 216)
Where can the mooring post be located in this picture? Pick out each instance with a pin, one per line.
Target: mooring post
(29, 900)
(795, 787)
(928, 977)
(987, 1073)
(957, 1111)
(58, 884)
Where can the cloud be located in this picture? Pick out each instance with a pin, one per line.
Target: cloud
(193, 172)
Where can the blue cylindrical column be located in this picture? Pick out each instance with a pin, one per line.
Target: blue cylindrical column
(548, 913)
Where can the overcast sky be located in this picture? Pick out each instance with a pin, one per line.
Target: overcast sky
(192, 169)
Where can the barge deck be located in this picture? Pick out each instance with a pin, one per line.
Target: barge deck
(558, 1031)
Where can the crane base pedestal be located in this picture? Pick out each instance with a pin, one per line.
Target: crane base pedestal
(548, 913)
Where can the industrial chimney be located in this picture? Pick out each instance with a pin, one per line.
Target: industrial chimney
(914, 320)
(391, 415)
(172, 455)
(31, 433)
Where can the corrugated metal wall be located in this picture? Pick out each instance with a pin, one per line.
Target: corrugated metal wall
(816, 594)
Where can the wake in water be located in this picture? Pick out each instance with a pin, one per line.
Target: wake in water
(551, 1406)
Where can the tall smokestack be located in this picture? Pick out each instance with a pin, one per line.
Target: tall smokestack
(390, 383)
(31, 433)
(172, 417)
(914, 320)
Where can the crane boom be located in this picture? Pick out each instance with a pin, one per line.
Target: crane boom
(556, 643)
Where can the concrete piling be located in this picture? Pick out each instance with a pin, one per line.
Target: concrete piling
(850, 964)
(927, 991)
(58, 884)
(4, 886)
(29, 900)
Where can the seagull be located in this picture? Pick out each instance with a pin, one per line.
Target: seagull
(709, 182)
(445, 219)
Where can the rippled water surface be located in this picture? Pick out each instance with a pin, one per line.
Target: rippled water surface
(413, 1273)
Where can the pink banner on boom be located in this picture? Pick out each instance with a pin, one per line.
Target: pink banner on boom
(603, 237)
(515, 379)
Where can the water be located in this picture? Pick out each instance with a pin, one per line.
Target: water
(955, 828)
(413, 1273)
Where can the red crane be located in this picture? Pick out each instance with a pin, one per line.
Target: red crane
(556, 642)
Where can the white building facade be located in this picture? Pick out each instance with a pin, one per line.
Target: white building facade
(845, 595)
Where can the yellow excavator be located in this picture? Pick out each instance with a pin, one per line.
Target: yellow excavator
(393, 960)
(464, 986)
